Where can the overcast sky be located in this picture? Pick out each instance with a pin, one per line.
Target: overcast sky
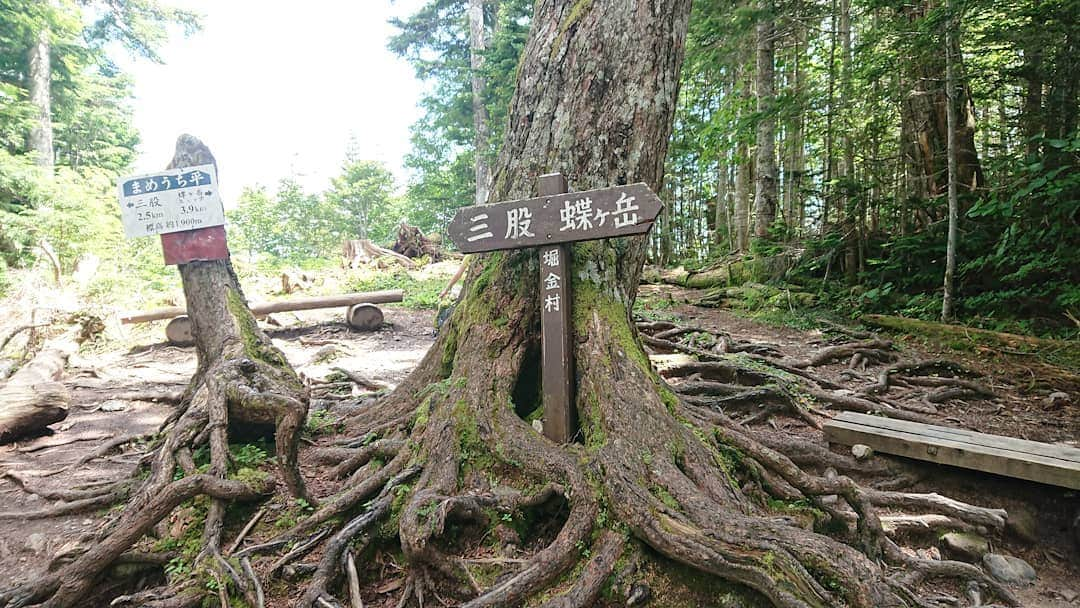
(277, 88)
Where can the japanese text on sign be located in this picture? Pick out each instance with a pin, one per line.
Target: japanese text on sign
(170, 201)
(557, 218)
(552, 281)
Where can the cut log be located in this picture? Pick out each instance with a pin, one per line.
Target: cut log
(178, 331)
(265, 308)
(34, 398)
(364, 317)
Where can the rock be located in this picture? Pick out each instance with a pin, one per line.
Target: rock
(965, 545)
(1023, 523)
(930, 553)
(1069, 595)
(37, 543)
(113, 405)
(1008, 569)
(639, 594)
(1058, 399)
(861, 452)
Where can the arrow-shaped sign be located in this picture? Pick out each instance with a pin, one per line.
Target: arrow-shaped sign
(561, 218)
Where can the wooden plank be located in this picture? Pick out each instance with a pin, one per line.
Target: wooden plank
(1000, 461)
(265, 308)
(1047, 450)
(560, 424)
(555, 218)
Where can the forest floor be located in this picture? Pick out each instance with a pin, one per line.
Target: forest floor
(316, 342)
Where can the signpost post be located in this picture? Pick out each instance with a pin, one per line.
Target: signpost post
(183, 206)
(549, 222)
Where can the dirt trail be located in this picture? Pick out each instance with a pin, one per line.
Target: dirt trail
(315, 342)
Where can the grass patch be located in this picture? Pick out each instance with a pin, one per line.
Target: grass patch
(421, 291)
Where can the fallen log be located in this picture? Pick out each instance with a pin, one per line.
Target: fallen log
(265, 308)
(1069, 349)
(34, 398)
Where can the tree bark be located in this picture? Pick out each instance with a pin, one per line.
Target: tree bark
(234, 353)
(34, 397)
(765, 80)
(481, 132)
(796, 165)
(947, 314)
(41, 134)
(924, 121)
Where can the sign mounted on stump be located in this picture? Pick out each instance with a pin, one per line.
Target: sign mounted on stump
(563, 218)
(170, 201)
(549, 222)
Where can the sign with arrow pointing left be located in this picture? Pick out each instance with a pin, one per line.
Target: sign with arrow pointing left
(170, 201)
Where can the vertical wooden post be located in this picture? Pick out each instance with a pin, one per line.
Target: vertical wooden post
(560, 423)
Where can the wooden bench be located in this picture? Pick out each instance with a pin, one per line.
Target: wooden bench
(360, 313)
(1042, 462)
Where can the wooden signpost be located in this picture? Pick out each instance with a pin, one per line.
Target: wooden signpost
(183, 206)
(548, 222)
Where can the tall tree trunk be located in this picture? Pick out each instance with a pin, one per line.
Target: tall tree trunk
(742, 197)
(722, 218)
(954, 205)
(765, 167)
(828, 162)
(41, 134)
(793, 199)
(847, 213)
(1031, 114)
(481, 131)
(923, 113)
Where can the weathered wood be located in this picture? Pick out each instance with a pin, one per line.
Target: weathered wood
(556, 331)
(178, 331)
(34, 398)
(265, 308)
(556, 218)
(364, 317)
(1031, 460)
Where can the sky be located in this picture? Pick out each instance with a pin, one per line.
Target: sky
(279, 88)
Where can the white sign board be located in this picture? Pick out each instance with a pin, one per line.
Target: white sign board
(170, 201)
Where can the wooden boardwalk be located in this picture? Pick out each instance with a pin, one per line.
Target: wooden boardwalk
(1042, 462)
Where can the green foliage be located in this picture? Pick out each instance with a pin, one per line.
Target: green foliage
(320, 422)
(288, 225)
(420, 293)
(361, 200)
(435, 41)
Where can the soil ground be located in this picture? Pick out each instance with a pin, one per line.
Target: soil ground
(315, 342)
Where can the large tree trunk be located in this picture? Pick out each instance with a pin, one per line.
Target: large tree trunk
(481, 132)
(924, 121)
(41, 135)
(765, 169)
